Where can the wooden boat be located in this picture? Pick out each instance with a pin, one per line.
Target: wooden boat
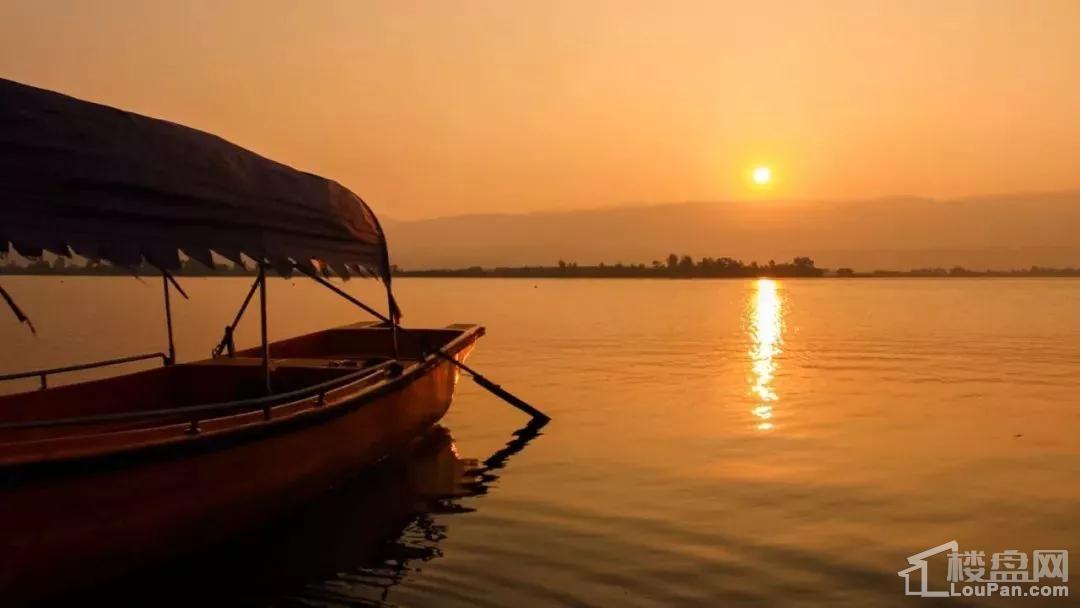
(101, 476)
(82, 501)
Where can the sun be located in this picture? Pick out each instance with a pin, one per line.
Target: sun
(761, 176)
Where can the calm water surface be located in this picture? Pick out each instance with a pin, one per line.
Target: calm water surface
(714, 442)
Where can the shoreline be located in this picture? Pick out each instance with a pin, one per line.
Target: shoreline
(439, 275)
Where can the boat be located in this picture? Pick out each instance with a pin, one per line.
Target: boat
(103, 476)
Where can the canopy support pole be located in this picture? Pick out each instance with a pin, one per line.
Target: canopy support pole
(262, 328)
(477, 377)
(19, 314)
(171, 356)
(391, 306)
(227, 344)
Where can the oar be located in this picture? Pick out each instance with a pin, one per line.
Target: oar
(477, 377)
(497, 390)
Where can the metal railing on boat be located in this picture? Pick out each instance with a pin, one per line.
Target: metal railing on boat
(194, 414)
(43, 374)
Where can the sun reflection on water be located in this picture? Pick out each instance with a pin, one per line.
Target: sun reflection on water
(767, 339)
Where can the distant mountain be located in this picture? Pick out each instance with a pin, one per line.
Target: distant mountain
(1009, 231)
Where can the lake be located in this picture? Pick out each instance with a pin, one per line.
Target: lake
(714, 442)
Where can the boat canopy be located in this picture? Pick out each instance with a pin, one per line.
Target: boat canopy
(106, 184)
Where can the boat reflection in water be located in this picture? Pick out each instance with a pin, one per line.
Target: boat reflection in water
(766, 328)
(352, 546)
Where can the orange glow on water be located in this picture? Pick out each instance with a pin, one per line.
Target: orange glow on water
(766, 335)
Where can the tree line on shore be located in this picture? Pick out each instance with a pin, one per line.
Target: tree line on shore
(685, 267)
(674, 267)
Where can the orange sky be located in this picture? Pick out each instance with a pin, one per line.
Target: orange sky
(429, 109)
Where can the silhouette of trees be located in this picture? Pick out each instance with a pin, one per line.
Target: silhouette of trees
(676, 266)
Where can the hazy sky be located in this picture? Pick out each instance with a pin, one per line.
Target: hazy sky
(430, 108)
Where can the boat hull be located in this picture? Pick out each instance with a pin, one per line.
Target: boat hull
(68, 526)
